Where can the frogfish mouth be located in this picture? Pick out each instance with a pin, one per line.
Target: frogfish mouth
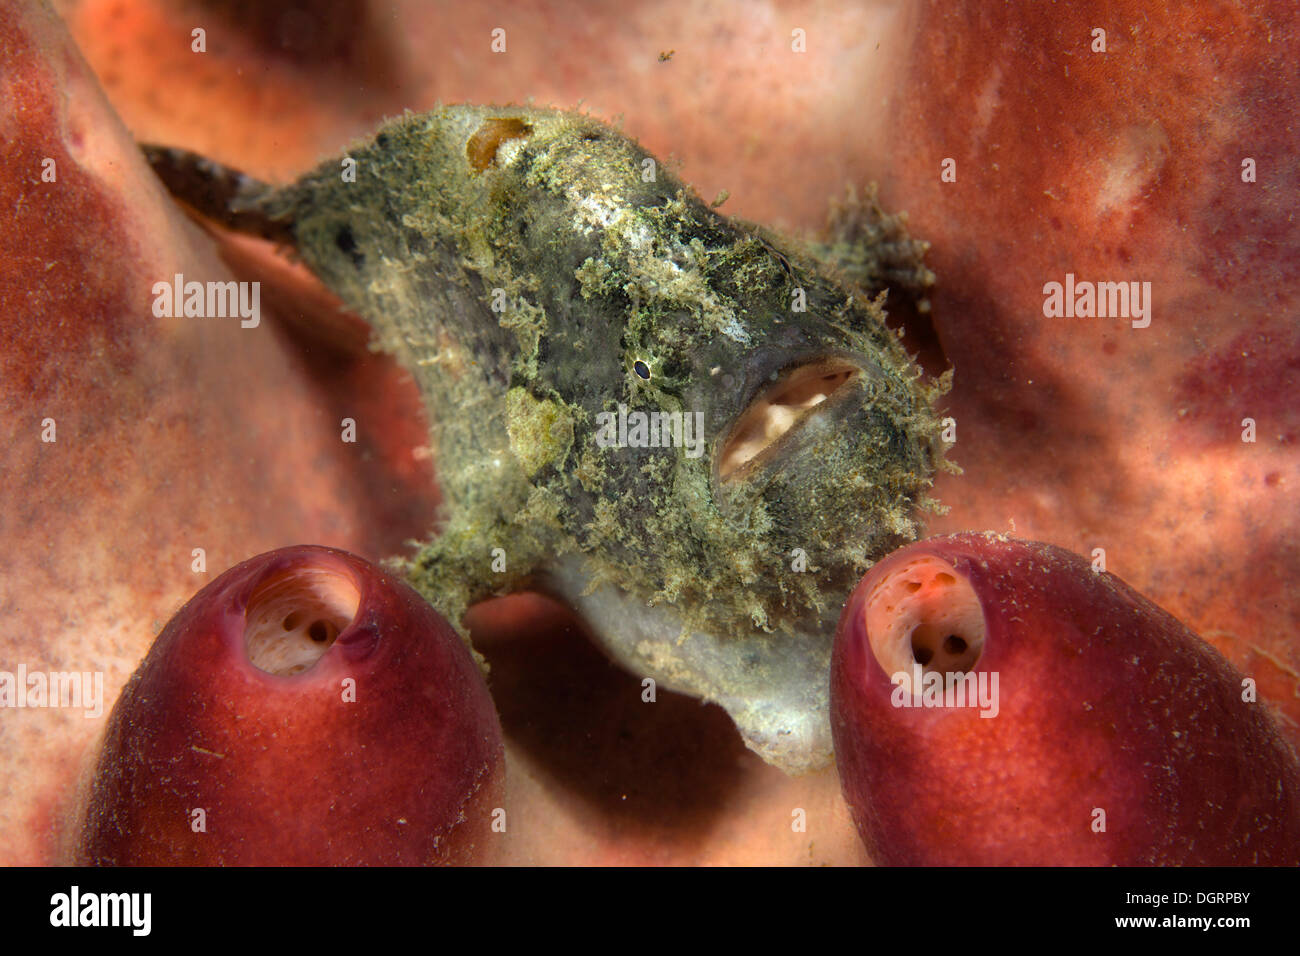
(696, 433)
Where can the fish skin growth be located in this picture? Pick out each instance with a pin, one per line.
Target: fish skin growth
(570, 310)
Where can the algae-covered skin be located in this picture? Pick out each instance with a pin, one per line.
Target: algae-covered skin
(548, 283)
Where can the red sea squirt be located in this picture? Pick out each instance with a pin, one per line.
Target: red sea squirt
(305, 708)
(1084, 726)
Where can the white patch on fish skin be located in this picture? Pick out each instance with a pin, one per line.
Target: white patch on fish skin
(659, 274)
(598, 211)
(735, 331)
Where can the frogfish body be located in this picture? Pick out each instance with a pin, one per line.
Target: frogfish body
(696, 433)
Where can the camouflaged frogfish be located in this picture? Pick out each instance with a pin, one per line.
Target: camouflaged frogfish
(696, 433)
